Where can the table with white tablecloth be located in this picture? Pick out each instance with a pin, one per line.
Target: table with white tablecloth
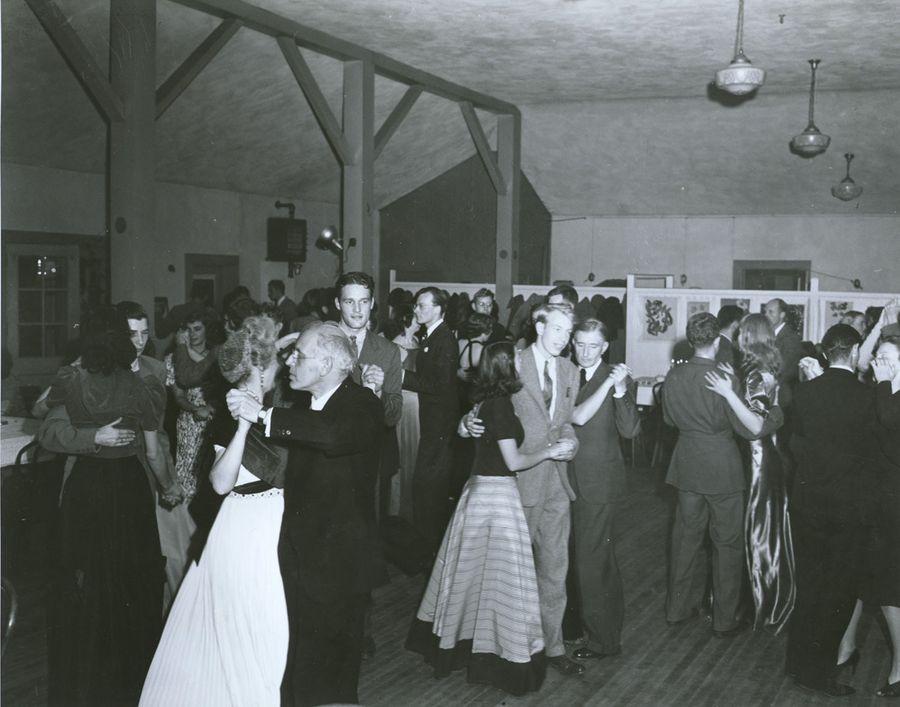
(15, 433)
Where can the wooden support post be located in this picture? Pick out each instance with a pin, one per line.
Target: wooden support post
(191, 67)
(132, 203)
(509, 153)
(316, 100)
(393, 121)
(79, 59)
(357, 196)
(482, 147)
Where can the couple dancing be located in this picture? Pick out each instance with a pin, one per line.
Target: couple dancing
(273, 611)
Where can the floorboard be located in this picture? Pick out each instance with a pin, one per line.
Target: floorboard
(659, 665)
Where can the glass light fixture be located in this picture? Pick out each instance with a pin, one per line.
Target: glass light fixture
(812, 141)
(741, 77)
(847, 190)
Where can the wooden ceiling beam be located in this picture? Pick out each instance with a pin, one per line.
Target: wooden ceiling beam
(393, 121)
(79, 59)
(323, 43)
(483, 148)
(316, 100)
(191, 67)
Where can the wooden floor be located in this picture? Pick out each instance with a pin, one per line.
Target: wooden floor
(659, 665)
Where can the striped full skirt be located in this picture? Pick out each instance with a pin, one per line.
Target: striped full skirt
(483, 586)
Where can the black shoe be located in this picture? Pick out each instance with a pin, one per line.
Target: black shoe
(563, 665)
(368, 647)
(585, 653)
(830, 688)
(851, 662)
(892, 689)
(733, 631)
(694, 613)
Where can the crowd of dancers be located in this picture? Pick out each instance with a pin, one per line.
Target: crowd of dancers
(239, 570)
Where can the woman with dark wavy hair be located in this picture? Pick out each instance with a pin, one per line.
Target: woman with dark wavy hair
(106, 613)
(481, 606)
(769, 545)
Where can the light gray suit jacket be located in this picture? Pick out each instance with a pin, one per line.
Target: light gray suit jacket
(537, 483)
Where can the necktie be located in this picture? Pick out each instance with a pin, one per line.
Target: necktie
(422, 334)
(355, 345)
(548, 385)
(582, 378)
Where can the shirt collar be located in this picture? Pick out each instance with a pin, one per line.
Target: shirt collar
(322, 400)
(280, 300)
(591, 370)
(839, 366)
(539, 359)
(779, 328)
(434, 325)
(360, 335)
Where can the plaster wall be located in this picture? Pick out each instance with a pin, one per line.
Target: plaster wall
(704, 248)
(189, 219)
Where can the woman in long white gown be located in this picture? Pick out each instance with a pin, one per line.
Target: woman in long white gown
(225, 642)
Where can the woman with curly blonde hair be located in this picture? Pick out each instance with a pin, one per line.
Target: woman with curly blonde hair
(226, 639)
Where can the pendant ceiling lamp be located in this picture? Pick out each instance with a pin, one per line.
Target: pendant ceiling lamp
(741, 77)
(847, 190)
(812, 141)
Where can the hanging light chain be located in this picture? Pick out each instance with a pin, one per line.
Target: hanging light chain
(739, 36)
(814, 63)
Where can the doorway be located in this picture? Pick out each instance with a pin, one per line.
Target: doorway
(771, 274)
(214, 275)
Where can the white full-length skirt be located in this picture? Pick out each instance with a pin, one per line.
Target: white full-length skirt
(225, 642)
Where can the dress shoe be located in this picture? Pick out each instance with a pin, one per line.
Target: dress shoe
(694, 613)
(892, 689)
(732, 632)
(562, 664)
(851, 662)
(830, 688)
(368, 647)
(585, 653)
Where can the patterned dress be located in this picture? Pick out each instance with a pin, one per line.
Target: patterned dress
(189, 432)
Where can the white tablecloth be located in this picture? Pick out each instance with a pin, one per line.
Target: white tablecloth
(15, 433)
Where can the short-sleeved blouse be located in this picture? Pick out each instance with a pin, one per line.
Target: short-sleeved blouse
(500, 422)
(95, 400)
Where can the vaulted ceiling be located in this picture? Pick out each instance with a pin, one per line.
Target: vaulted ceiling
(618, 114)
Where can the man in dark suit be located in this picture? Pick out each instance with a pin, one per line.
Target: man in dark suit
(597, 475)
(483, 303)
(286, 305)
(328, 543)
(729, 318)
(707, 471)
(791, 349)
(434, 379)
(835, 446)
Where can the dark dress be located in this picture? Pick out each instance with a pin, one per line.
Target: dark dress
(480, 609)
(106, 608)
(770, 548)
(881, 575)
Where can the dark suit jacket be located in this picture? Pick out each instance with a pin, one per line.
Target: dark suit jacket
(835, 446)
(288, 309)
(791, 349)
(328, 529)
(435, 381)
(597, 473)
(706, 458)
(726, 351)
